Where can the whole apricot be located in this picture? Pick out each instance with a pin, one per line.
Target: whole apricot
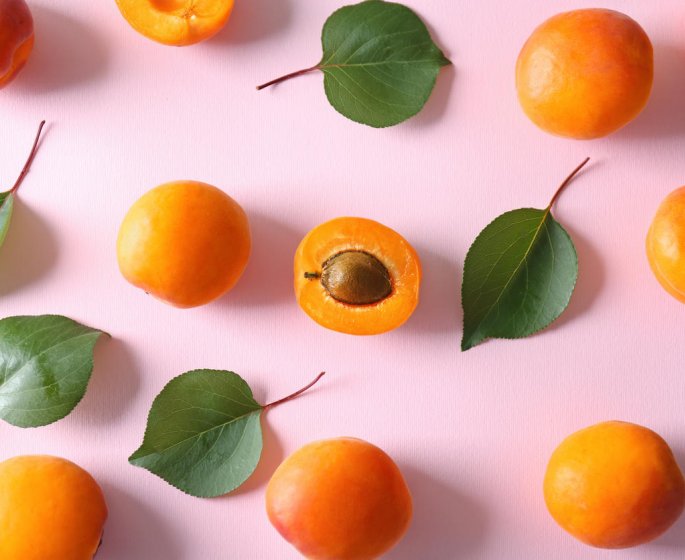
(186, 243)
(16, 38)
(666, 244)
(585, 73)
(339, 499)
(176, 22)
(50, 509)
(356, 276)
(614, 485)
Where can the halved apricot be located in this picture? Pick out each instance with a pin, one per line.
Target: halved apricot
(356, 276)
(16, 38)
(176, 22)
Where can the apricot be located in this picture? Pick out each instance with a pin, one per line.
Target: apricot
(50, 509)
(666, 244)
(16, 38)
(586, 73)
(339, 499)
(186, 243)
(356, 276)
(614, 485)
(176, 22)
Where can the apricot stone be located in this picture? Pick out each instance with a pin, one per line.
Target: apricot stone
(585, 73)
(16, 38)
(339, 499)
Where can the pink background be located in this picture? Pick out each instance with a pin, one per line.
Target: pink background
(472, 432)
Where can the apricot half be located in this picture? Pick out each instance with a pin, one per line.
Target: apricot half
(176, 22)
(356, 276)
(50, 509)
(614, 485)
(666, 244)
(16, 38)
(339, 499)
(586, 73)
(186, 243)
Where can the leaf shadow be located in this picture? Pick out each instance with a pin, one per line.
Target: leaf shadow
(674, 537)
(438, 102)
(67, 53)
(268, 278)
(439, 308)
(272, 456)
(29, 252)
(663, 115)
(253, 20)
(447, 521)
(114, 382)
(591, 277)
(135, 530)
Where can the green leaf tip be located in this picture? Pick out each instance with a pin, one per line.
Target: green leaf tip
(519, 274)
(203, 433)
(46, 363)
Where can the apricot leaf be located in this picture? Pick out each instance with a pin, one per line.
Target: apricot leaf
(45, 365)
(204, 434)
(6, 207)
(519, 275)
(379, 63)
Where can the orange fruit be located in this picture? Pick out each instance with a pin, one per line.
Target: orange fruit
(50, 509)
(176, 22)
(186, 243)
(614, 485)
(586, 73)
(356, 276)
(16, 38)
(339, 499)
(666, 244)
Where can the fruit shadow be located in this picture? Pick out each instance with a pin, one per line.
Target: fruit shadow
(268, 278)
(253, 20)
(446, 521)
(439, 308)
(134, 530)
(112, 386)
(67, 53)
(675, 536)
(591, 276)
(29, 251)
(663, 115)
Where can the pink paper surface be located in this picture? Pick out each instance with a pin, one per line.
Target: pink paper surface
(472, 432)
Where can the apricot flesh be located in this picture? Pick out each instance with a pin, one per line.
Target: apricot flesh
(186, 243)
(339, 499)
(614, 485)
(176, 22)
(16, 38)
(666, 244)
(50, 509)
(586, 73)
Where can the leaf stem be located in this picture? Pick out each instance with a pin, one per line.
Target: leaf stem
(295, 394)
(287, 77)
(566, 182)
(29, 161)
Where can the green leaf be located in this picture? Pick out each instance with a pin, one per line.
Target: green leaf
(203, 434)
(45, 365)
(6, 207)
(519, 274)
(379, 62)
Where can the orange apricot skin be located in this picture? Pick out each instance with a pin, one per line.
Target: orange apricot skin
(187, 243)
(389, 247)
(50, 509)
(177, 23)
(16, 38)
(586, 73)
(339, 499)
(614, 485)
(666, 244)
